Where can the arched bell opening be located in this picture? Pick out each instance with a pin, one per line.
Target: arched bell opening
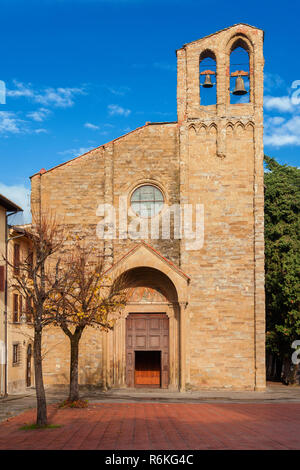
(239, 76)
(143, 348)
(208, 78)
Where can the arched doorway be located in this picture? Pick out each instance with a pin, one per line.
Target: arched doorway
(157, 287)
(149, 311)
(28, 365)
(143, 348)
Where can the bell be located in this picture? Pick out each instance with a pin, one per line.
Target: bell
(207, 82)
(239, 87)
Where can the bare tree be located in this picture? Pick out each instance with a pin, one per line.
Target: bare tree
(36, 276)
(89, 298)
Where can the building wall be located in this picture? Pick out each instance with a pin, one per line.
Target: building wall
(2, 324)
(212, 156)
(56, 366)
(18, 332)
(74, 191)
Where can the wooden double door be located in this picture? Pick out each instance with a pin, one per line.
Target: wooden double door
(147, 350)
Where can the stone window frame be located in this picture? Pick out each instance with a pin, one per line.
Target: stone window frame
(147, 182)
(16, 354)
(15, 307)
(16, 258)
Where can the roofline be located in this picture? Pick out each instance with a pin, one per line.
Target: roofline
(15, 228)
(157, 253)
(43, 171)
(9, 205)
(216, 32)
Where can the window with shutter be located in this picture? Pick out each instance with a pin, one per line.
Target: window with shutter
(16, 259)
(2, 278)
(30, 259)
(28, 310)
(15, 308)
(20, 306)
(16, 354)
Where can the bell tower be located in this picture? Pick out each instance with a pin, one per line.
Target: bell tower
(221, 167)
(219, 46)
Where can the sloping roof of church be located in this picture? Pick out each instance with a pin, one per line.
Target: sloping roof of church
(157, 253)
(42, 171)
(220, 31)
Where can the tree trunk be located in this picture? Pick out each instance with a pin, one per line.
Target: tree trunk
(289, 372)
(74, 386)
(41, 418)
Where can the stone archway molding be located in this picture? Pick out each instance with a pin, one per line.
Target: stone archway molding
(143, 255)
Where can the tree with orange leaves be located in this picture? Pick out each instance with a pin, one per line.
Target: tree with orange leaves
(89, 298)
(36, 276)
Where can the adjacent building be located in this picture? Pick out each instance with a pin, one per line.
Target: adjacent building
(11, 344)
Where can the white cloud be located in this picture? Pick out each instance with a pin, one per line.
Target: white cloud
(89, 125)
(121, 91)
(40, 115)
(279, 103)
(274, 121)
(272, 81)
(76, 152)
(20, 90)
(21, 196)
(281, 132)
(165, 66)
(281, 140)
(282, 128)
(10, 123)
(115, 109)
(57, 97)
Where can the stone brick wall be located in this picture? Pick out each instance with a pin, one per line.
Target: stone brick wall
(2, 303)
(213, 156)
(221, 153)
(148, 156)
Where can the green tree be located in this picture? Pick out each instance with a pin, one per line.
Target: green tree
(282, 202)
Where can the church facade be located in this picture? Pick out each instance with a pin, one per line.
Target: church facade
(195, 317)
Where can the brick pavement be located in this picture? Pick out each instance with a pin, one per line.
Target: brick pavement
(151, 426)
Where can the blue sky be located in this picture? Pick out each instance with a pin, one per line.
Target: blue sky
(80, 73)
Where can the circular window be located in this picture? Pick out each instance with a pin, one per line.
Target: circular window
(147, 201)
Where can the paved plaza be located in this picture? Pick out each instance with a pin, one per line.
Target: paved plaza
(115, 426)
(151, 420)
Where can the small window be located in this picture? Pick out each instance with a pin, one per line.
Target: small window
(2, 279)
(29, 316)
(16, 354)
(30, 260)
(15, 308)
(147, 201)
(16, 262)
